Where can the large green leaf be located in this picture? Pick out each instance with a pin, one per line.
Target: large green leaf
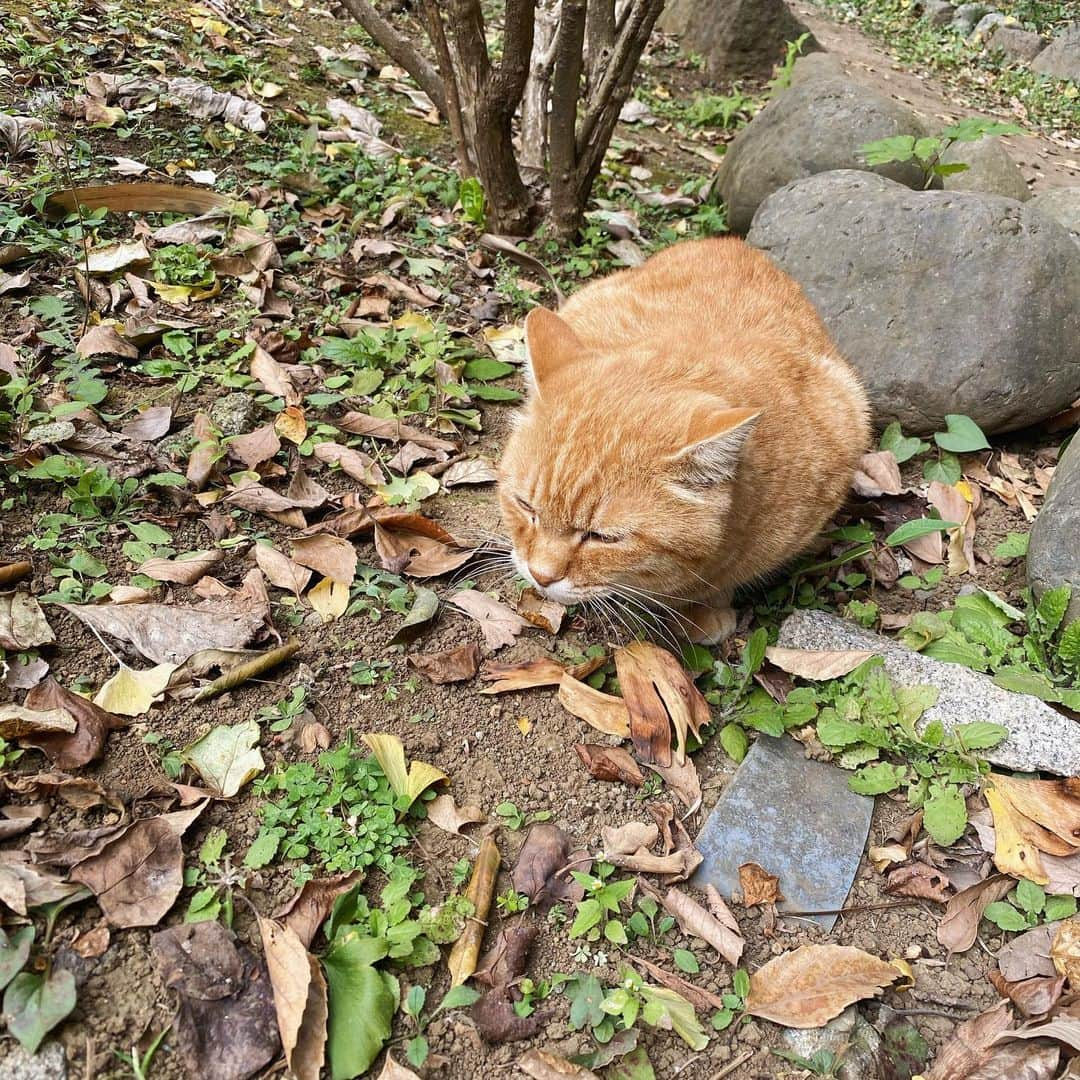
(944, 814)
(362, 1005)
(877, 779)
(912, 530)
(35, 1004)
(963, 435)
(904, 447)
(1052, 607)
(14, 952)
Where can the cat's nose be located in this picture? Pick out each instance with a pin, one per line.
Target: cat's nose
(542, 579)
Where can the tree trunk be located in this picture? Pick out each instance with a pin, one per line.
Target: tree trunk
(534, 103)
(509, 204)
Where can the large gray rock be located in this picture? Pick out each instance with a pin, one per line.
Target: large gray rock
(989, 169)
(813, 127)
(938, 12)
(945, 301)
(966, 17)
(817, 65)
(1017, 44)
(1040, 738)
(1061, 204)
(1061, 58)
(739, 38)
(1054, 549)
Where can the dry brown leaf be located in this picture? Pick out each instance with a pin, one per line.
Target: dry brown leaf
(878, 473)
(611, 763)
(480, 892)
(659, 693)
(16, 721)
(543, 613)
(352, 462)
(142, 197)
(448, 666)
(470, 471)
(207, 447)
(444, 813)
(138, 876)
(817, 665)
(1018, 839)
(604, 712)
(105, 340)
(758, 885)
(256, 446)
(184, 571)
(971, 1044)
(813, 984)
(300, 999)
(919, 880)
(226, 1022)
(306, 910)
(93, 943)
(272, 377)
(683, 780)
(959, 925)
(149, 425)
(87, 742)
(1021, 1061)
(291, 424)
(696, 920)
(376, 427)
(79, 792)
(170, 633)
(330, 555)
(543, 868)
(698, 996)
(1033, 997)
(542, 1065)
(499, 625)
(501, 969)
(280, 570)
(1065, 950)
(532, 673)
(414, 545)
(1028, 955)
(22, 623)
(393, 1070)
(1053, 804)
(23, 886)
(952, 505)
(629, 847)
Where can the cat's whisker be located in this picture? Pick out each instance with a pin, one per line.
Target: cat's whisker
(651, 624)
(663, 612)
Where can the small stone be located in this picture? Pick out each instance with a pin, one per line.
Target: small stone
(1062, 204)
(989, 169)
(1061, 58)
(849, 1037)
(1053, 552)
(1040, 738)
(49, 1063)
(1016, 43)
(233, 414)
(966, 17)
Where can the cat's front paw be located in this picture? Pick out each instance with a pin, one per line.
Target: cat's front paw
(710, 625)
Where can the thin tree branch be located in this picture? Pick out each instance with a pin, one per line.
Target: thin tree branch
(599, 37)
(467, 23)
(633, 36)
(398, 47)
(437, 33)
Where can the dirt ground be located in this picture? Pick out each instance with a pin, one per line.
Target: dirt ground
(477, 740)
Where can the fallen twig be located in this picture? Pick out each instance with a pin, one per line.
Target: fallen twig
(249, 670)
(15, 571)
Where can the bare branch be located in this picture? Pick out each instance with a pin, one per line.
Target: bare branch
(398, 47)
(614, 86)
(599, 37)
(467, 23)
(437, 33)
(534, 101)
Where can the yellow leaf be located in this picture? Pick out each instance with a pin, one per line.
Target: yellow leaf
(329, 598)
(415, 320)
(524, 725)
(1014, 853)
(291, 425)
(130, 692)
(391, 757)
(270, 90)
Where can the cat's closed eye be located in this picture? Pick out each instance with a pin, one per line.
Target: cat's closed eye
(526, 507)
(593, 537)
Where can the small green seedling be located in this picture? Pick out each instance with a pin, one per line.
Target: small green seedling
(511, 902)
(1028, 905)
(601, 906)
(515, 819)
(458, 997)
(734, 1001)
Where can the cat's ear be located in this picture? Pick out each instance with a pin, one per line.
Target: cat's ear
(715, 442)
(550, 343)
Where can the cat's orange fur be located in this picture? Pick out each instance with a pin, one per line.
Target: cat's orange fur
(690, 428)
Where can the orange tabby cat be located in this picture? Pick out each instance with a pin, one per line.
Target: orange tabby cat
(690, 427)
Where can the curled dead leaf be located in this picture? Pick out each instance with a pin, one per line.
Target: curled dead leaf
(611, 763)
(696, 920)
(758, 885)
(604, 712)
(499, 625)
(448, 666)
(541, 672)
(543, 868)
(817, 665)
(443, 812)
(959, 925)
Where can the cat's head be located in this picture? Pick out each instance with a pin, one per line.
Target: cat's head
(615, 478)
